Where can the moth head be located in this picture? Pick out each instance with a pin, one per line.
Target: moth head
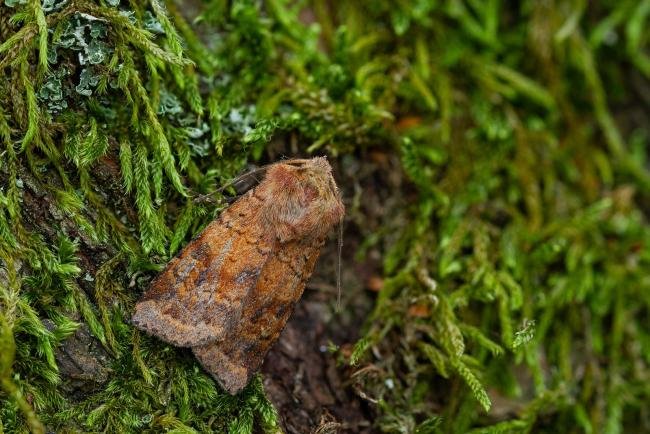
(303, 199)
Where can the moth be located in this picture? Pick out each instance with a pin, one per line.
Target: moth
(229, 293)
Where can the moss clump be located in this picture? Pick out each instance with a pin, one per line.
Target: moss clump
(514, 271)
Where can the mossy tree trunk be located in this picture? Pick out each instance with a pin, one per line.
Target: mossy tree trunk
(493, 162)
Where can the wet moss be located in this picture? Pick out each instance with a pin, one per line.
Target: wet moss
(513, 270)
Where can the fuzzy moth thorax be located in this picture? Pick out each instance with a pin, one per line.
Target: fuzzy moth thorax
(306, 202)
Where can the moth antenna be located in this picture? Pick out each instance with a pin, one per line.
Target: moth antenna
(233, 181)
(241, 177)
(338, 266)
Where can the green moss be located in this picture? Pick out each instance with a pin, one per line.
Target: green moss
(526, 240)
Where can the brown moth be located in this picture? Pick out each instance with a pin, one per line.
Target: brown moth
(229, 292)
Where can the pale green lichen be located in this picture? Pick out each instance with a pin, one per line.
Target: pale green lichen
(524, 236)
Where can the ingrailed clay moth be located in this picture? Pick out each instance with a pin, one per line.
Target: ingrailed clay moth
(229, 293)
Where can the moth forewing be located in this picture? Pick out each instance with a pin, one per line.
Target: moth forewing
(229, 293)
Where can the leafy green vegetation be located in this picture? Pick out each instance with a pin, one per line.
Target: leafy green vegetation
(515, 291)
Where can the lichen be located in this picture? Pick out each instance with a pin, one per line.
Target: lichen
(514, 295)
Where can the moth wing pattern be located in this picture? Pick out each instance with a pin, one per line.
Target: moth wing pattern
(230, 292)
(199, 297)
(267, 308)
